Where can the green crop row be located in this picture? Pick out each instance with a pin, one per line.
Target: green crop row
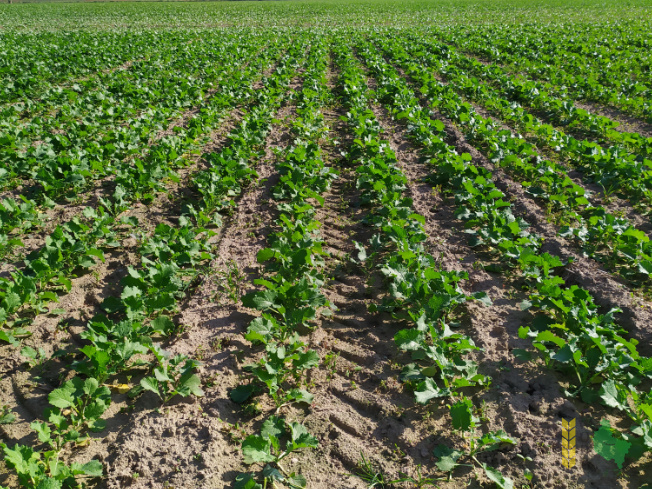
(141, 313)
(616, 169)
(77, 244)
(591, 66)
(601, 234)
(566, 327)
(291, 297)
(420, 290)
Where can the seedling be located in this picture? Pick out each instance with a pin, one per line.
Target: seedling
(371, 474)
(6, 416)
(173, 376)
(267, 448)
(464, 421)
(34, 358)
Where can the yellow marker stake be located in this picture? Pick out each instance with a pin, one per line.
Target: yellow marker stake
(568, 443)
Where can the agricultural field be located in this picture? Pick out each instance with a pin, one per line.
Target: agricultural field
(326, 244)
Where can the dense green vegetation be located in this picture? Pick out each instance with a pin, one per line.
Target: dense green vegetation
(107, 109)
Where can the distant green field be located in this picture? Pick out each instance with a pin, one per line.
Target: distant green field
(331, 13)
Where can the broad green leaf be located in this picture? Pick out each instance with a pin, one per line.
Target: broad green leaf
(612, 397)
(427, 390)
(93, 468)
(257, 449)
(409, 339)
(262, 300)
(49, 483)
(300, 395)
(62, 397)
(297, 481)
(43, 431)
(483, 297)
(462, 415)
(22, 458)
(362, 253)
(246, 481)
(241, 393)
(190, 384)
(609, 446)
(549, 336)
(96, 253)
(163, 325)
(273, 426)
(307, 360)
(264, 255)
(150, 384)
(301, 438)
(495, 476)
(447, 458)
(523, 355)
(564, 354)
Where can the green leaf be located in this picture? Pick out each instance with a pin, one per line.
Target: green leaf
(609, 446)
(8, 337)
(273, 426)
(564, 354)
(150, 384)
(612, 397)
(260, 330)
(494, 440)
(264, 255)
(163, 325)
(12, 301)
(495, 476)
(270, 472)
(482, 297)
(7, 418)
(21, 458)
(262, 300)
(427, 390)
(447, 458)
(246, 481)
(241, 393)
(49, 483)
(257, 449)
(29, 352)
(130, 291)
(93, 468)
(300, 395)
(96, 253)
(645, 267)
(301, 438)
(307, 360)
(362, 253)
(91, 386)
(523, 355)
(462, 415)
(62, 397)
(190, 384)
(409, 339)
(549, 336)
(43, 431)
(297, 481)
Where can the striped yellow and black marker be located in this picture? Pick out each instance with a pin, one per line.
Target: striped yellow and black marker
(568, 443)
